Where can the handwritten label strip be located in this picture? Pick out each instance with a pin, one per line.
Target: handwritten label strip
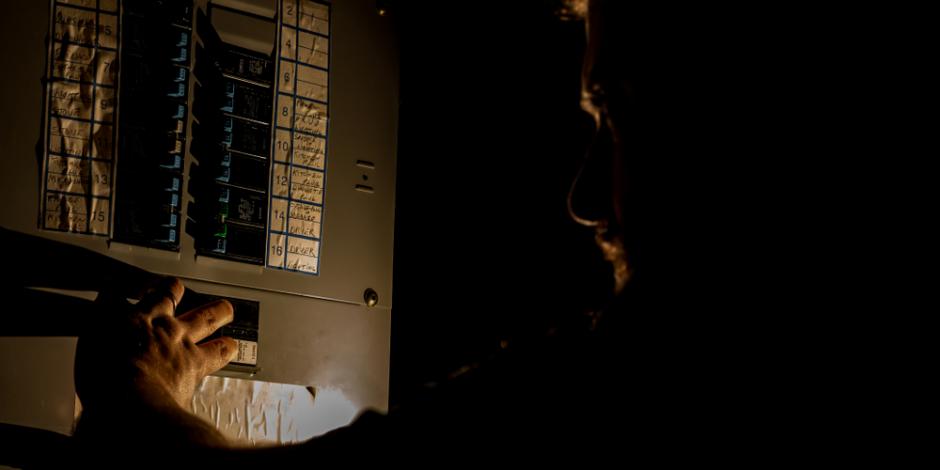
(298, 174)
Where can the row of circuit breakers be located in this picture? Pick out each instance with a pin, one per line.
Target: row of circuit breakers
(230, 179)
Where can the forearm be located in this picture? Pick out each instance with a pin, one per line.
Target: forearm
(143, 423)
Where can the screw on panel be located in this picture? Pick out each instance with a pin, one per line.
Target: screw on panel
(371, 297)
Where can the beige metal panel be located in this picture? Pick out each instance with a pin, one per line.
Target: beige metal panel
(36, 388)
(23, 43)
(319, 343)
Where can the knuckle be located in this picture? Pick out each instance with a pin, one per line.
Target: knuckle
(208, 318)
(164, 305)
(224, 352)
(174, 329)
(219, 348)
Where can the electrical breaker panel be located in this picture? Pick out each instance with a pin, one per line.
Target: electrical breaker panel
(245, 146)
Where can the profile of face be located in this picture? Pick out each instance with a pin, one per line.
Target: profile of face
(599, 194)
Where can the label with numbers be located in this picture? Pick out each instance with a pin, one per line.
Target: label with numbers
(81, 101)
(298, 176)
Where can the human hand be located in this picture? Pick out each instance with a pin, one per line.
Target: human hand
(144, 355)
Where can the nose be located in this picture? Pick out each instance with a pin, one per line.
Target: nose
(590, 194)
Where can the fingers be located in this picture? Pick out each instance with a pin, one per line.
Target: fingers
(217, 353)
(203, 321)
(163, 298)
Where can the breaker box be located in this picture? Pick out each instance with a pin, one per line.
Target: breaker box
(247, 147)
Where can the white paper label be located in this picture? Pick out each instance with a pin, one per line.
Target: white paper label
(247, 352)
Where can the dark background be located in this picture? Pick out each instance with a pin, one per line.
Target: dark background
(491, 134)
